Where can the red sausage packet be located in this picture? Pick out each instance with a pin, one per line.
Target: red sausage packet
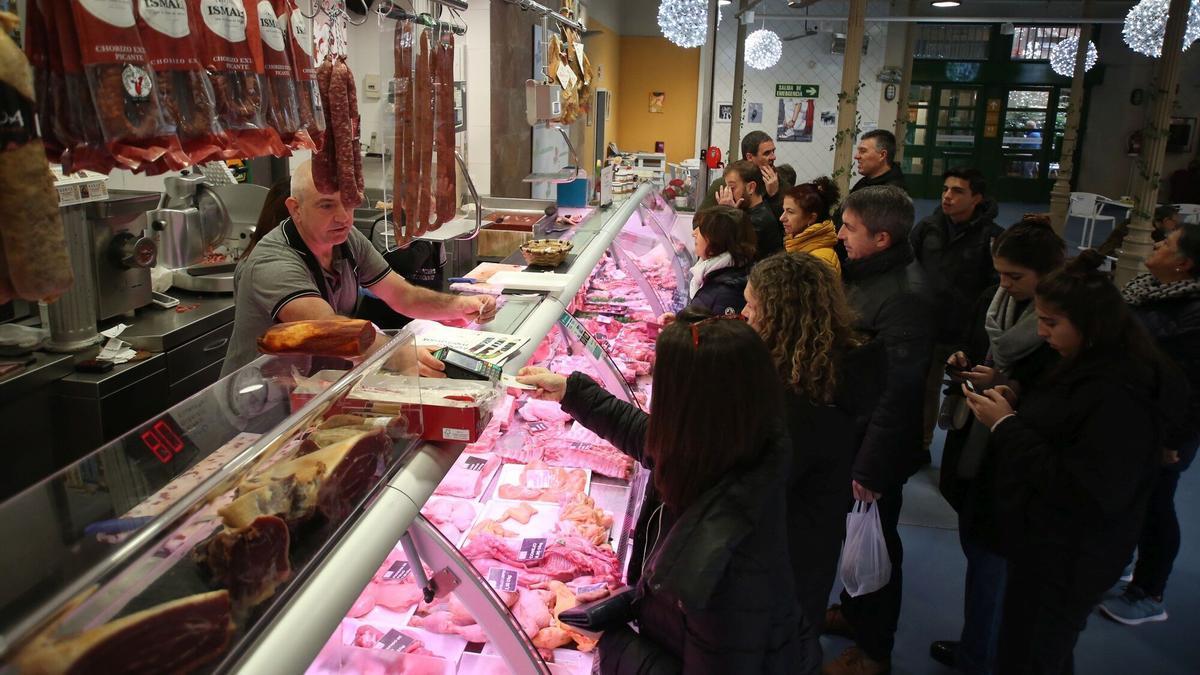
(184, 90)
(283, 105)
(228, 42)
(37, 50)
(75, 123)
(122, 85)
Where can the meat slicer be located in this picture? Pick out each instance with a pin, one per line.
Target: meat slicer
(202, 230)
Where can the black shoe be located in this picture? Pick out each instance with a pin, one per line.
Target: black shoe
(943, 652)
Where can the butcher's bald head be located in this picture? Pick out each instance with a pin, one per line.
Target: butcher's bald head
(321, 218)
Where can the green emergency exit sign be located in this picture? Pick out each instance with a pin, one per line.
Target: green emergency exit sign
(797, 90)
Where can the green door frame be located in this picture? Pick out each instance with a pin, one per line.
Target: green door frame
(995, 78)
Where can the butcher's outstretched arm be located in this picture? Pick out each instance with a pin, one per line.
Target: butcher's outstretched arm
(607, 416)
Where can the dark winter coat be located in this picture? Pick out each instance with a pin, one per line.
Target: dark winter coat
(776, 202)
(974, 498)
(958, 261)
(894, 177)
(767, 229)
(1075, 467)
(823, 442)
(723, 292)
(716, 595)
(1175, 325)
(891, 296)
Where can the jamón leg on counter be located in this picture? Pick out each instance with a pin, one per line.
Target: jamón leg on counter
(447, 199)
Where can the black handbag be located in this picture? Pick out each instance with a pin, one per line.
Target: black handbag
(603, 614)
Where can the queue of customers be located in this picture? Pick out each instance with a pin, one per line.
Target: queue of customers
(767, 429)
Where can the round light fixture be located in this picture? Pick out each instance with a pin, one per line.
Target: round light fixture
(763, 49)
(684, 22)
(943, 4)
(1146, 25)
(1062, 56)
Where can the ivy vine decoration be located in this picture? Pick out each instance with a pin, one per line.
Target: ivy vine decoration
(1149, 133)
(854, 131)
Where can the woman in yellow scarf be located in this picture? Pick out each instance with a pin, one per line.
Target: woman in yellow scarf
(806, 220)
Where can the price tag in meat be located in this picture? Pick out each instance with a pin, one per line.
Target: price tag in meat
(399, 571)
(474, 464)
(539, 427)
(394, 641)
(532, 549)
(502, 579)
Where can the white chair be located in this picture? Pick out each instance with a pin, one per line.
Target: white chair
(1189, 213)
(1087, 206)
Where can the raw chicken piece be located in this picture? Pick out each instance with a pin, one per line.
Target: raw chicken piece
(543, 483)
(451, 516)
(442, 622)
(533, 611)
(535, 410)
(397, 597)
(520, 513)
(489, 526)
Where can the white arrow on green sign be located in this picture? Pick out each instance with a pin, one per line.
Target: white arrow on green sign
(797, 90)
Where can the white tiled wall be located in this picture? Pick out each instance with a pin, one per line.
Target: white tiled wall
(806, 60)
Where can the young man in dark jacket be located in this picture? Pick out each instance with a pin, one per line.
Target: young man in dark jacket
(890, 293)
(744, 189)
(757, 147)
(954, 246)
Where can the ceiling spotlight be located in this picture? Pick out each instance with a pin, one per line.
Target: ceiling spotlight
(942, 4)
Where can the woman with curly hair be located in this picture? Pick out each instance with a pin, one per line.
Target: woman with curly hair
(796, 303)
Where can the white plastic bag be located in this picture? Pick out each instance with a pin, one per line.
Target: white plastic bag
(866, 566)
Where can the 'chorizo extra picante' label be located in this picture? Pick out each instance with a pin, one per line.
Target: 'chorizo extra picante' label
(16, 119)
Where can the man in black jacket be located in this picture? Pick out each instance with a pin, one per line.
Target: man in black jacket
(757, 147)
(889, 291)
(954, 246)
(744, 189)
(875, 155)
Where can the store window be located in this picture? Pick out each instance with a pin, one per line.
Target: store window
(1025, 126)
(1033, 43)
(952, 42)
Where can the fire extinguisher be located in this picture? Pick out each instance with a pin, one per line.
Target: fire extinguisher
(1133, 147)
(713, 157)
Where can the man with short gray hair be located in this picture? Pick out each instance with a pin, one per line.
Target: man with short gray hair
(889, 291)
(876, 158)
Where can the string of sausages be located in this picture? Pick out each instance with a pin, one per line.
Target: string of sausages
(424, 193)
(337, 166)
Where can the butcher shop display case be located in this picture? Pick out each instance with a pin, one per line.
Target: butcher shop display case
(283, 521)
(174, 544)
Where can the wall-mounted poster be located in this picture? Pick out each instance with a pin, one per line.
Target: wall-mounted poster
(754, 113)
(828, 118)
(658, 99)
(724, 113)
(795, 120)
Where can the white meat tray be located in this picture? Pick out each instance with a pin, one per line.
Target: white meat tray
(540, 525)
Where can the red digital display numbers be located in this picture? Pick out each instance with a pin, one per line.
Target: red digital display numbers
(163, 439)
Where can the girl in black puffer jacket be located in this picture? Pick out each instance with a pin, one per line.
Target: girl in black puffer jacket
(1166, 300)
(716, 593)
(724, 252)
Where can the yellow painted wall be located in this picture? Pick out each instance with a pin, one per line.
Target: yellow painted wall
(653, 64)
(604, 52)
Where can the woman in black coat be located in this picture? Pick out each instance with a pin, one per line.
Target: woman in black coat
(724, 252)
(1073, 485)
(796, 303)
(1166, 300)
(715, 593)
(1003, 347)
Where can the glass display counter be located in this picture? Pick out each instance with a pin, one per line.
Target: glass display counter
(205, 541)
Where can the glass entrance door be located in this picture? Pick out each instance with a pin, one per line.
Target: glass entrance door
(944, 128)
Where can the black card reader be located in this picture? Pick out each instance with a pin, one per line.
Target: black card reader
(462, 366)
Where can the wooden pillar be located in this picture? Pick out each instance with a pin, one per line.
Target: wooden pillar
(739, 76)
(707, 63)
(1138, 244)
(1060, 196)
(847, 134)
(900, 129)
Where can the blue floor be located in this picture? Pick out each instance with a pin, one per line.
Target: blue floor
(932, 610)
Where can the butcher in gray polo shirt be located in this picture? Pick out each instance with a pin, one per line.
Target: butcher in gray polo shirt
(311, 267)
